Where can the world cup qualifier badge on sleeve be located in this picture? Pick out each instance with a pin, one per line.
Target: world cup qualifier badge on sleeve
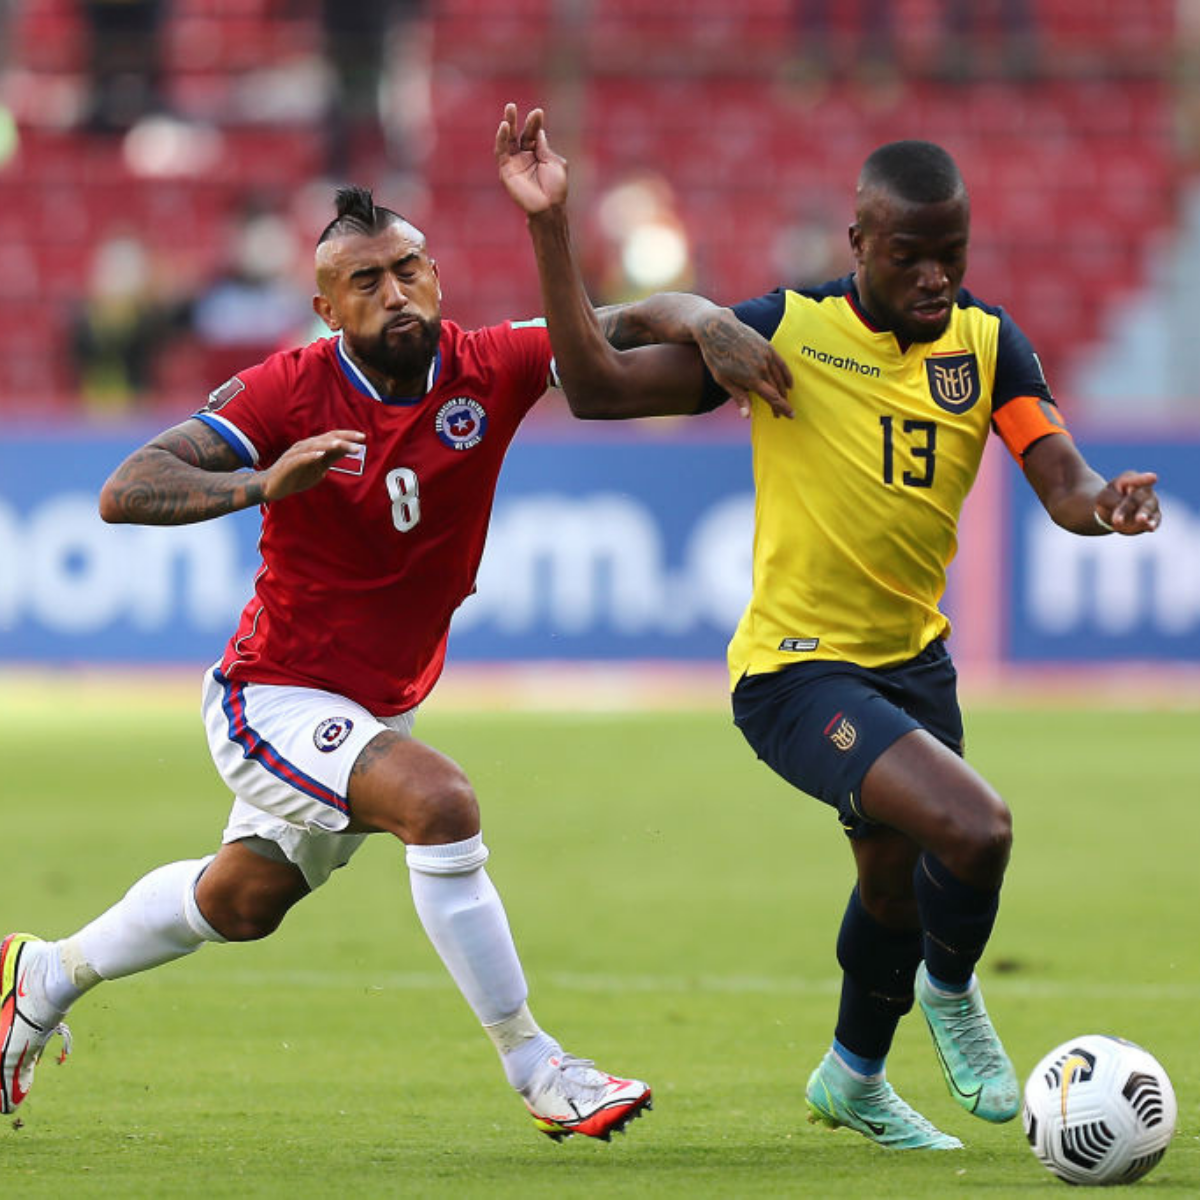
(461, 423)
(221, 396)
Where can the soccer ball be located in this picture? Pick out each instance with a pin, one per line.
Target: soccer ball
(1099, 1110)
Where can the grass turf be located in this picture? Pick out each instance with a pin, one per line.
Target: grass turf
(676, 908)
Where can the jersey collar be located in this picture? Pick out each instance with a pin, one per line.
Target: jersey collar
(859, 310)
(361, 383)
(856, 306)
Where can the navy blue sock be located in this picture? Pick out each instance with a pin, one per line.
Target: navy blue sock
(957, 920)
(878, 965)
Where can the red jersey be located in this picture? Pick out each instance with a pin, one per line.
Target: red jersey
(362, 573)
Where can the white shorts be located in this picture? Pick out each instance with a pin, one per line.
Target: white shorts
(286, 754)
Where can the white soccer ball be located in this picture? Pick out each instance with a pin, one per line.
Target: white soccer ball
(1099, 1110)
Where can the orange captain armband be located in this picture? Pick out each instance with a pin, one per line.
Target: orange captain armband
(1025, 420)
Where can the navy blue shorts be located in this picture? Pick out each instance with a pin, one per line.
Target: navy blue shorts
(822, 724)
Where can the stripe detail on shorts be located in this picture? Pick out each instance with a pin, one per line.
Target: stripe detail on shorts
(258, 748)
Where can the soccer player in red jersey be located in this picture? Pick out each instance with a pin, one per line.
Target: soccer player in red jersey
(374, 456)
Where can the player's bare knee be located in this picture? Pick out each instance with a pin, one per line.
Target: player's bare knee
(985, 844)
(239, 919)
(249, 926)
(447, 812)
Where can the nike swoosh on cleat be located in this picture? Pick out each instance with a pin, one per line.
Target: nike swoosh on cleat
(21, 993)
(18, 1094)
(874, 1126)
(975, 1096)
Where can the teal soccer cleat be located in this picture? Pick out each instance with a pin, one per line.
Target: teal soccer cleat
(978, 1072)
(836, 1096)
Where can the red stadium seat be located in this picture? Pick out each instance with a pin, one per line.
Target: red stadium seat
(1073, 176)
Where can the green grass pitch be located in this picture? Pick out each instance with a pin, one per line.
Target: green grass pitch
(676, 908)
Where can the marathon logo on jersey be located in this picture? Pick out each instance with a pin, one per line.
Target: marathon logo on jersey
(843, 362)
(331, 733)
(353, 463)
(841, 732)
(953, 381)
(461, 423)
(224, 394)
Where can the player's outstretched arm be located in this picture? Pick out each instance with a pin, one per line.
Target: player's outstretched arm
(1079, 499)
(598, 380)
(651, 380)
(190, 473)
(740, 359)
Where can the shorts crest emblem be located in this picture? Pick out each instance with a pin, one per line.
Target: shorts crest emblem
(953, 381)
(842, 733)
(331, 733)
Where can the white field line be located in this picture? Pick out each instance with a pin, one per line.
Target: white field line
(726, 985)
(572, 688)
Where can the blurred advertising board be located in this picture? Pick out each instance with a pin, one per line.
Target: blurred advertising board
(607, 544)
(1079, 600)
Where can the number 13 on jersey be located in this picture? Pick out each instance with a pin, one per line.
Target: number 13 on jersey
(922, 449)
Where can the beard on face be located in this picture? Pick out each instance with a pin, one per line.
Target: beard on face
(404, 359)
(911, 332)
(896, 321)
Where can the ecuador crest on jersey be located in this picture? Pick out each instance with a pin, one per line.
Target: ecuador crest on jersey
(953, 381)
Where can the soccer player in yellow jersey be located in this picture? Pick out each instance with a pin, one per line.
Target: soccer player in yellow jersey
(889, 381)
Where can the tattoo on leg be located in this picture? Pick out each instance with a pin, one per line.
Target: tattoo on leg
(372, 752)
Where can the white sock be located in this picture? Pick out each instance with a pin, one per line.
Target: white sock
(155, 922)
(523, 1047)
(464, 919)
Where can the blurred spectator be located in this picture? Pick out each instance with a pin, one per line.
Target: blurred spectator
(643, 246)
(829, 45)
(812, 248)
(989, 37)
(975, 38)
(9, 136)
(362, 38)
(124, 61)
(122, 327)
(8, 123)
(256, 305)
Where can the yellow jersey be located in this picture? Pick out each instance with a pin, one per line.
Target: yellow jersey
(857, 499)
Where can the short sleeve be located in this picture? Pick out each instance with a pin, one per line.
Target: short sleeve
(526, 349)
(1018, 368)
(763, 314)
(1023, 408)
(250, 413)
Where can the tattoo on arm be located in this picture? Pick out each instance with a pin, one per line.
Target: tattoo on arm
(721, 340)
(665, 317)
(198, 445)
(187, 474)
(619, 330)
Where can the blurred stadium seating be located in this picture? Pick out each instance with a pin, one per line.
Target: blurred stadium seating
(1072, 164)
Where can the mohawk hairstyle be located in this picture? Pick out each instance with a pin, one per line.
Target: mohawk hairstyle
(915, 171)
(357, 212)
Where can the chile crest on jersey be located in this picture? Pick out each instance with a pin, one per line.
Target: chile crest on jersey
(461, 423)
